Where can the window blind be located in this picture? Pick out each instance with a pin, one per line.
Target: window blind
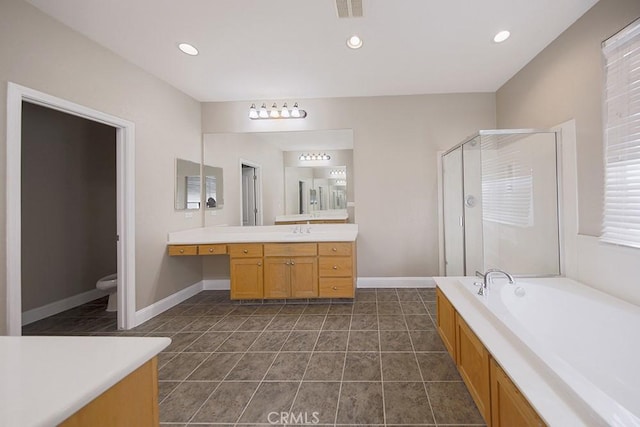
(507, 186)
(621, 220)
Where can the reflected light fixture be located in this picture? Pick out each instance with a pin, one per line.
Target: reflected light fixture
(275, 113)
(188, 49)
(501, 36)
(309, 156)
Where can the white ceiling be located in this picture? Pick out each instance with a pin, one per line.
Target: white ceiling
(294, 49)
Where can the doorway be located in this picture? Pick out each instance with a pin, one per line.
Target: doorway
(125, 201)
(251, 209)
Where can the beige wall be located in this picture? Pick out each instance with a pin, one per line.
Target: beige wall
(563, 82)
(396, 140)
(69, 188)
(39, 52)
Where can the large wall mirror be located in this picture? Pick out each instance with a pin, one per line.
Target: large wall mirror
(286, 182)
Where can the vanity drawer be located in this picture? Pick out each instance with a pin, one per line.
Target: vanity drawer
(212, 249)
(181, 250)
(335, 248)
(339, 266)
(340, 287)
(245, 250)
(290, 249)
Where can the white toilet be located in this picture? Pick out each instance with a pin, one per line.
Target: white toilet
(110, 284)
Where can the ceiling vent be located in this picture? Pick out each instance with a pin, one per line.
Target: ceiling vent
(349, 8)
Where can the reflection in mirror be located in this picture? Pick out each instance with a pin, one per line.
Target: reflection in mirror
(312, 189)
(213, 187)
(274, 152)
(187, 185)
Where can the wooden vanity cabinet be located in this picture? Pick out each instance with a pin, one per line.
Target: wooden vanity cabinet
(508, 406)
(446, 320)
(291, 270)
(337, 269)
(246, 271)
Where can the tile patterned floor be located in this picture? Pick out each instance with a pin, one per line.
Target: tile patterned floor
(377, 361)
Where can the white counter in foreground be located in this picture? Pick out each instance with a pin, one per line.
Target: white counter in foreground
(45, 380)
(266, 234)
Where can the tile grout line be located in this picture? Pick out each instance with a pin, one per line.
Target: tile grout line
(344, 367)
(415, 357)
(384, 410)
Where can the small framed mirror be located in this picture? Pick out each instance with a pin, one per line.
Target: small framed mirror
(188, 185)
(213, 187)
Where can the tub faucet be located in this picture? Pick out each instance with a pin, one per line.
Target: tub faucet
(488, 279)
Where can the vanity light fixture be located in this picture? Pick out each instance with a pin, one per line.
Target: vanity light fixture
(338, 172)
(275, 113)
(309, 156)
(188, 49)
(501, 36)
(340, 182)
(354, 42)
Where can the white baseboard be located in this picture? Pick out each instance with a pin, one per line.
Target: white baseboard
(216, 284)
(165, 304)
(396, 282)
(56, 307)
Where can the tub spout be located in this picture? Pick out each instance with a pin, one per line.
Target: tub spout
(488, 279)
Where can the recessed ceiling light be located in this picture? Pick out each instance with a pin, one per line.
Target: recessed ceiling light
(354, 42)
(501, 36)
(188, 49)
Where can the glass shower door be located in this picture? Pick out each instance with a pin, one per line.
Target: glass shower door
(453, 214)
(472, 199)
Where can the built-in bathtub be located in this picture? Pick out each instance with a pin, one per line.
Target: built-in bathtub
(573, 351)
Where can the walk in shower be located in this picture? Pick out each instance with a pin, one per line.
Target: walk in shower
(500, 203)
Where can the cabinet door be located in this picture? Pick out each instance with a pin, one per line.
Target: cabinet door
(508, 406)
(446, 322)
(246, 278)
(473, 364)
(304, 277)
(276, 277)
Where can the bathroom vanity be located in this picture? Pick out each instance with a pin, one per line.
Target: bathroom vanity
(79, 381)
(279, 262)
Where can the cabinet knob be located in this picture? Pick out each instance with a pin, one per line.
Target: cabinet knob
(335, 267)
(210, 249)
(287, 263)
(245, 251)
(335, 288)
(293, 262)
(334, 249)
(259, 264)
(181, 251)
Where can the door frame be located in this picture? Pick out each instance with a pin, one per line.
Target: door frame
(125, 201)
(258, 169)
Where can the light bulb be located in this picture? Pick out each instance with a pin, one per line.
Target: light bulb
(295, 112)
(188, 49)
(253, 113)
(274, 114)
(501, 36)
(354, 42)
(301, 157)
(285, 111)
(263, 112)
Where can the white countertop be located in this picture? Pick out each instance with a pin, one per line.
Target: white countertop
(45, 380)
(267, 233)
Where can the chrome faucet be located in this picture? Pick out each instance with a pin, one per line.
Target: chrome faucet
(488, 279)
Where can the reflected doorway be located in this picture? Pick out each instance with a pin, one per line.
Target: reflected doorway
(251, 196)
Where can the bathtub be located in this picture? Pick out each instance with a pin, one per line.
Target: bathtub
(573, 351)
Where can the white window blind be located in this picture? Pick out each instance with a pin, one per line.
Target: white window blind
(621, 223)
(507, 185)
